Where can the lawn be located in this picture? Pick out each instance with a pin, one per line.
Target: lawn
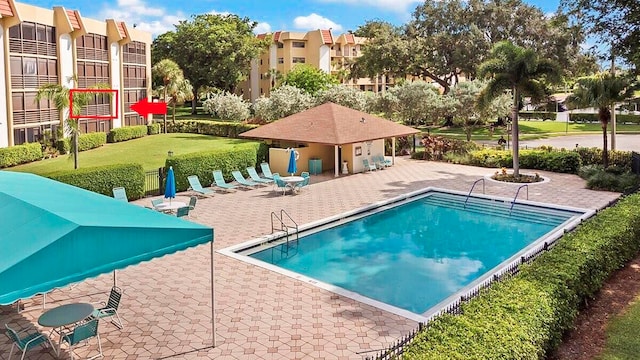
(150, 151)
(622, 335)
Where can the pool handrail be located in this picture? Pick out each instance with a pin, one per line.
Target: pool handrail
(513, 202)
(470, 191)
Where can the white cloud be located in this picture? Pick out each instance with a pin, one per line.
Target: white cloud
(215, 12)
(315, 21)
(262, 27)
(399, 6)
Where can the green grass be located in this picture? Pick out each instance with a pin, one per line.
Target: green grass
(150, 151)
(622, 335)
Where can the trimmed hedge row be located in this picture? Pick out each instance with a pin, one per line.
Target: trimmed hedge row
(593, 156)
(537, 115)
(85, 142)
(103, 179)
(127, 133)
(555, 161)
(20, 154)
(203, 163)
(588, 118)
(153, 129)
(215, 128)
(525, 316)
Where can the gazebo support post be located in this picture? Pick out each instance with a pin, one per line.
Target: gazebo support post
(336, 167)
(393, 150)
(213, 308)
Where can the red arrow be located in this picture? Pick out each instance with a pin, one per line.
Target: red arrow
(144, 107)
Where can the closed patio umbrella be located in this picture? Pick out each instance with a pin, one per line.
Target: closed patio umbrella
(170, 185)
(293, 156)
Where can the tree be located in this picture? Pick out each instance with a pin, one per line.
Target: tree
(212, 50)
(417, 102)
(308, 78)
(520, 71)
(275, 76)
(166, 75)
(227, 106)
(345, 96)
(283, 101)
(601, 91)
(60, 96)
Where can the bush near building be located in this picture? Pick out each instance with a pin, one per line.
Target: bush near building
(102, 179)
(20, 154)
(127, 133)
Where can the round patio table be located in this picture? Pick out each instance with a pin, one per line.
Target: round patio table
(174, 205)
(65, 315)
(292, 181)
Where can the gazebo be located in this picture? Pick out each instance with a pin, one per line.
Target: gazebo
(327, 136)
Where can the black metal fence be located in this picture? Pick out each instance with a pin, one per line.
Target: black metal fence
(154, 182)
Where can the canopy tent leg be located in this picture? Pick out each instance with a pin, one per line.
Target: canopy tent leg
(213, 311)
(393, 150)
(336, 166)
(115, 279)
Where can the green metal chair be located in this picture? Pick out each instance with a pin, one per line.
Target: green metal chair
(120, 193)
(182, 212)
(31, 338)
(192, 202)
(302, 184)
(83, 332)
(110, 308)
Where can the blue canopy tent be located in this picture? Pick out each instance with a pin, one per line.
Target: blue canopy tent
(61, 234)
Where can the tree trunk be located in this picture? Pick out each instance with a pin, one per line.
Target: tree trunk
(164, 98)
(515, 134)
(75, 149)
(604, 115)
(173, 115)
(193, 106)
(468, 132)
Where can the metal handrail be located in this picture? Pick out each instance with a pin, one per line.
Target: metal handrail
(282, 215)
(470, 191)
(273, 228)
(515, 197)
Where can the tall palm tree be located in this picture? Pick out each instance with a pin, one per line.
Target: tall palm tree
(168, 74)
(275, 76)
(177, 93)
(60, 96)
(521, 71)
(601, 91)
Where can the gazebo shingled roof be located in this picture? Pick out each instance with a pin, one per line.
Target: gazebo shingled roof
(330, 124)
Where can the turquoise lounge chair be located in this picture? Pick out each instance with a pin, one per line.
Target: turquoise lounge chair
(237, 176)
(368, 166)
(253, 174)
(120, 194)
(218, 181)
(266, 170)
(195, 186)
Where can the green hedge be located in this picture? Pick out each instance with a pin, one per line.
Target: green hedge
(593, 156)
(20, 154)
(537, 115)
(620, 118)
(203, 163)
(556, 161)
(103, 179)
(525, 316)
(583, 118)
(215, 128)
(127, 133)
(153, 129)
(85, 142)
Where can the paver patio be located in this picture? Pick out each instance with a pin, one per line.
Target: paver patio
(261, 314)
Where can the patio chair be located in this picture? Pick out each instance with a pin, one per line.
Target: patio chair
(218, 181)
(302, 184)
(110, 309)
(183, 211)
(253, 174)
(237, 176)
(266, 170)
(304, 174)
(195, 186)
(83, 332)
(192, 202)
(31, 338)
(385, 161)
(378, 163)
(280, 184)
(120, 193)
(368, 166)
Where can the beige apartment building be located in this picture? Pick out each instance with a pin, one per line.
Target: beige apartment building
(318, 48)
(57, 46)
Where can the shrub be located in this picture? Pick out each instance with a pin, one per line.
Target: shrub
(583, 118)
(126, 133)
(537, 115)
(91, 140)
(610, 181)
(525, 316)
(215, 128)
(436, 146)
(103, 179)
(556, 161)
(283, 101)
(203, 163)
(20, 154)
(227, 106)
(153, 129)
(63, 145)
(593, 156)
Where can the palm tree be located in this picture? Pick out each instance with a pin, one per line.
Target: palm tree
(178, 93)
(168, 74)
(275, 75)
(601, 91)
(60, 96)
(521, 71)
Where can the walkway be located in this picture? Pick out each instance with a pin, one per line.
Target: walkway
(261, 314)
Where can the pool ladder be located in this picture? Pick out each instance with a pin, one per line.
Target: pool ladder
(290, 229)
(471, 190)
(515, 197)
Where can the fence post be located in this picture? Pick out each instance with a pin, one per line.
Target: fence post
(160, 181)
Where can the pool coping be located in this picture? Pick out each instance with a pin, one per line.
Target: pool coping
(471, 288)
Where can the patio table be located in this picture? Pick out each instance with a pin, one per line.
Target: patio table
(64, 315)
(292, 181)
(172, 206)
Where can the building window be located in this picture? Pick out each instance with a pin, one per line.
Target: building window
(298, 44)
(280, 45)
(92, 47)
(298, 60)
(280, 60)
(32, 38)
(134, 53)
(32, 72)
(260, 61)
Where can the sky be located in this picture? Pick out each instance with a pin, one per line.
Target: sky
(158, 16)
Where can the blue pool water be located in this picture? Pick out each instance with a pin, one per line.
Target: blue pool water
(415, 255)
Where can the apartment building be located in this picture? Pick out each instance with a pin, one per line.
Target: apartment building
(318, 48)
(58, 46)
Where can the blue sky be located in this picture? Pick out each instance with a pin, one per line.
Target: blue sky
(158, 16)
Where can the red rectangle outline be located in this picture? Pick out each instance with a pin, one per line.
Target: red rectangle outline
(98, 117)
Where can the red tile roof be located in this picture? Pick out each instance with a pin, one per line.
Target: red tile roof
(276, 35)
(330, 124)
(350, 38)
(73, 18)
(261, 36)
(5, 8)
(122, 29)
(327, 37)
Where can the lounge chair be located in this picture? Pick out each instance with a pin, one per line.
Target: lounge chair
(82, 333)
(195, 186)
(31, 338)
(120, 193)
(253, 174)
(266, 170)
(218, 181)
(368, 166)
(237, 176)
(384, 161)
(280, 184)
(378, 163)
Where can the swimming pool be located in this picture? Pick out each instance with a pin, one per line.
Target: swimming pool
(411, 254)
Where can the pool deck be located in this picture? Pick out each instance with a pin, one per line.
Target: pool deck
(261, 314)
